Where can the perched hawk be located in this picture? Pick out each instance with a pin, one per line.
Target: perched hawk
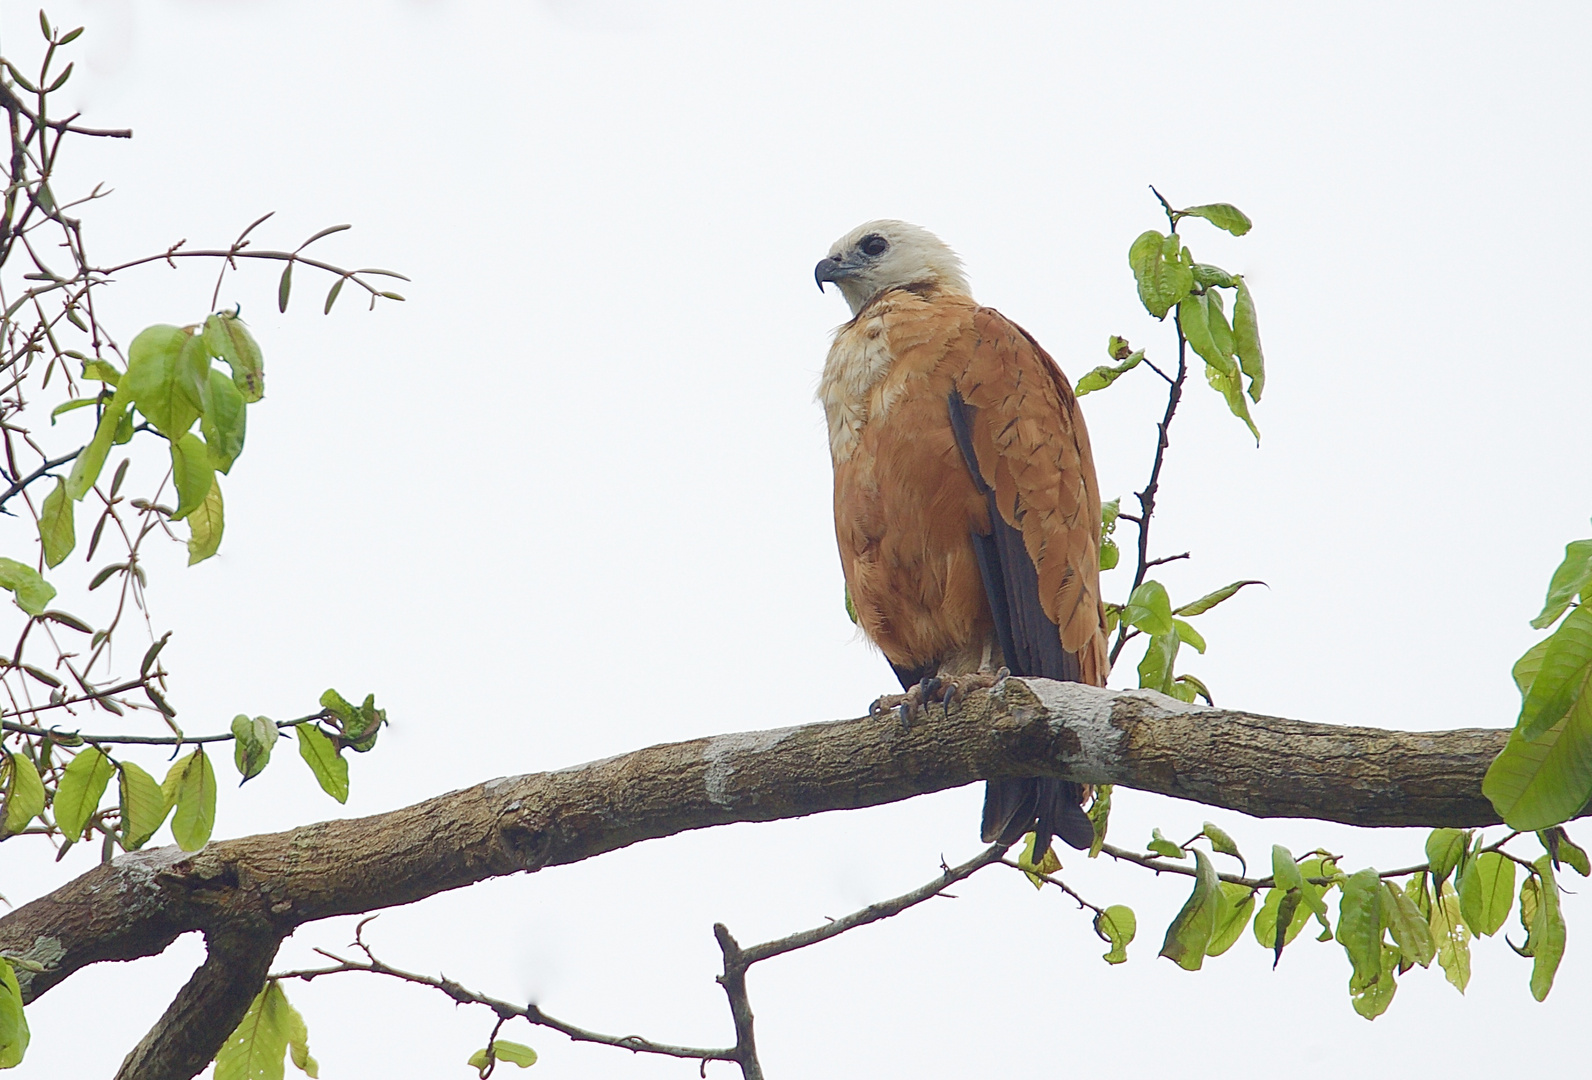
(965, 500)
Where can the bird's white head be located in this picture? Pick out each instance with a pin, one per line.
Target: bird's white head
(887, 254)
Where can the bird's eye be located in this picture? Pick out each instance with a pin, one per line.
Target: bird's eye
(874, 246)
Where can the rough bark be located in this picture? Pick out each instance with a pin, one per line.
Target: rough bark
(213, 1001)
(264, 886)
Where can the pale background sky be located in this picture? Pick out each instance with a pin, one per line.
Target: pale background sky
(572, 498)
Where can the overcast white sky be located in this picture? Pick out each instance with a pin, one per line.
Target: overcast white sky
(572, 498)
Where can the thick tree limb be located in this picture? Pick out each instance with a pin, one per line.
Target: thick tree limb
(268, 884)
(207, 1009)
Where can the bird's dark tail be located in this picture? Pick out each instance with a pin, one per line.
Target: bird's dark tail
(1048, 806)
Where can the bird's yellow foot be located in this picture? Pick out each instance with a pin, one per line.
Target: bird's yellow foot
(945, 689)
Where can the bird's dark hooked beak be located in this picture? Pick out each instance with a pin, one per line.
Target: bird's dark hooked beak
(828, 270)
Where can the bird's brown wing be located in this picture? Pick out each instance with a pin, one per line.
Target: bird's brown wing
(1030, 450)
(1018, 425)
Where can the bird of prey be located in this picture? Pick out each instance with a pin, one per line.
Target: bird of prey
(966, 507)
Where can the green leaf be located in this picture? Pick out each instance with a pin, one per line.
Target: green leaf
(1188, 635)
(368, 722)
(1191, 931)
(1246, 341)
(190, 786)
(1526, 668)
(1235, 905)
(1116, 925)
(56, 526)
(252, 741)
(338, 706)
(1281, 908)
(1187, 688)
(1371, 997)
(229, 340)
(1565, 850)
(143, 805)
(223, 421)
(1545, 939)
(1047, 865)
(1360, 924)
(102, 371)
(1443, 850)
(1565, 666)
(14, 1033)
(33, 593)
(1528, 909)
(71, 406)
(1163, 276)
(1149, 609)
(1223, 843)
(1194, 316)
(1420, 896)
(206, 524)
(255, 1050)
(1227, 383)
(1208, 277)
(1110, 555)
(1287, 874)
(1534, 785)
(166, 366)
(1410, 929)
(1216, 316)
(284, 287)
(1452, 937)
(1100, 817)
(514, 1053)
(1103, 376)
(86, 469)
(331, 295)
(1222, 215)
(1487, 893)
(330, 767)
(1155, 669)
(23, 791)
(1573, 576)
(1160, 845)
(78, 794)
(193, 474)
(1210, 600)
(291, 1023)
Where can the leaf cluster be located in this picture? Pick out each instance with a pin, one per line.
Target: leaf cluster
(1544, 774)
(1386, 923)
(1170, 280)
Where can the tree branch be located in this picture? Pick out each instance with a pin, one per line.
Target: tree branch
(207, 1009)
(1265, 766)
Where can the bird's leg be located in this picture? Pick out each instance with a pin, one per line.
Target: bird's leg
(948, 690)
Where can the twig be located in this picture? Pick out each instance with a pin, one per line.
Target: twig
(734, 982)
(1052, 880)
(505, 1009)
(141, 740)
(42, 470)
(1165, 559)
(736, 962)
(1146, 497)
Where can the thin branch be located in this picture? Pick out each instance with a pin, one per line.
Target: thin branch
(141, 740)
(505, 1009)
(41, 471)
(1165, 559)
(884, 909)
(1050, 879)
(1146, 497)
